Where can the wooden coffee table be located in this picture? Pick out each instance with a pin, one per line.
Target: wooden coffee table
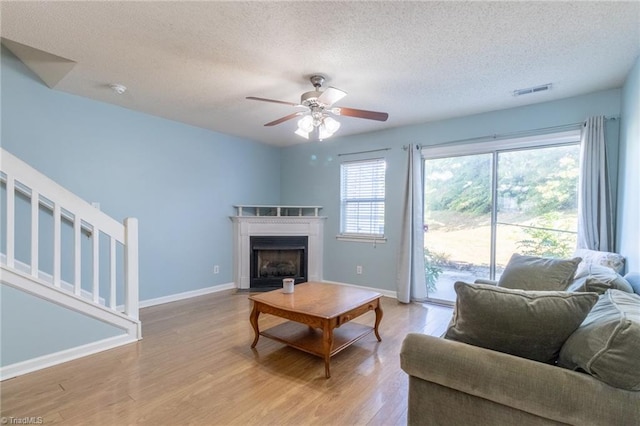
(319, 317)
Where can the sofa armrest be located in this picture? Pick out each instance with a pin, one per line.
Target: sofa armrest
(537, 388)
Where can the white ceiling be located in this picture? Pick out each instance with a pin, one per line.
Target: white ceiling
(195, 62)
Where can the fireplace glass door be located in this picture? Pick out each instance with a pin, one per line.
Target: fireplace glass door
(275, 258)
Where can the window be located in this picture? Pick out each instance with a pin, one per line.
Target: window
(362, 191)
(486, 201)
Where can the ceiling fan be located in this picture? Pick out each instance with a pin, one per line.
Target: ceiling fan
(316, 119)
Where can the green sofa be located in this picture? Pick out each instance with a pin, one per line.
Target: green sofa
(453, 383)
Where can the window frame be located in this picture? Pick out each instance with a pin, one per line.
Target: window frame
(495, 148)
(508, 144)
(362, 236)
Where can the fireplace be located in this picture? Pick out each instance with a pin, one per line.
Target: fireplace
(260, 221)
(276, 257)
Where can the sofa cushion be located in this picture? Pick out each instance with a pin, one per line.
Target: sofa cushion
(599, 279)
(633, 278)
(607, 344)
(613, 261)
(529, 324)
(538, 273)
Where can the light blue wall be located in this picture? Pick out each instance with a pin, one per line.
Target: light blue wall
(629, 171)
(31, 327)
(178, 180)
(310, 173)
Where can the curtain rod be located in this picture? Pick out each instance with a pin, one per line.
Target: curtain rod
(364, 152)
(531, 132)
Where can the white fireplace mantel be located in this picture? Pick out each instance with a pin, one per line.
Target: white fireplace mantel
(244, 227)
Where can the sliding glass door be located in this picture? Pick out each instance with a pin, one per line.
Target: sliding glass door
(482, 207)
(457, 222)
(537, 201)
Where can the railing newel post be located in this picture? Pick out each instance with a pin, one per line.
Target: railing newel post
(131, 267)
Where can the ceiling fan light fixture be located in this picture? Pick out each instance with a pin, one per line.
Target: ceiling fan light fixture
(305, 124)
(331, 124)
(302, 133)
(323, 127)
(323, 133)
(328, 127)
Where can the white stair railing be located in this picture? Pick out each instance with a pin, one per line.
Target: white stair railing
(43, 194)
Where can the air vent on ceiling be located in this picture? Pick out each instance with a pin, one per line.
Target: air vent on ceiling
(529, 90)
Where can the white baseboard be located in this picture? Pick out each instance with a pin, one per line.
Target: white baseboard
(186, 295)
(49, 360)
(388, 293)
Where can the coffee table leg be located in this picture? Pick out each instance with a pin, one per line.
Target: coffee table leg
(378, 319)
(253, 318)
(327, 345)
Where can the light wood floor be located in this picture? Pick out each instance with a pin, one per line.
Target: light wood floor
(195, 366)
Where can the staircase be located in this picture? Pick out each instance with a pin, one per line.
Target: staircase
(62, 249)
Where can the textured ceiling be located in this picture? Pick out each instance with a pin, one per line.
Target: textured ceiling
(195, 62)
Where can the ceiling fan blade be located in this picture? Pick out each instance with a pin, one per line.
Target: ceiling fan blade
(331, 96)
(253, 98)
(285, 118)
(361, 113)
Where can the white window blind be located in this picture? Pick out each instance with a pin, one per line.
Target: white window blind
(362, 195)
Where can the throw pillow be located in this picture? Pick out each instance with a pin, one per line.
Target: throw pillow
(599, 279)
(614, 261)
(538, 273)
(528, 324)
(607, 344)
(633, 278)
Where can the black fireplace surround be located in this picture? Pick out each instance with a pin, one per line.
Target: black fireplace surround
(274, 258)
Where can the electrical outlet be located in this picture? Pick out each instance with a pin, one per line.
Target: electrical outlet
(216, 269)
(359, 269)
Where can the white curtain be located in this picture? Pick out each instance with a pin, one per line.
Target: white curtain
(411, 283)
(595, 228)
